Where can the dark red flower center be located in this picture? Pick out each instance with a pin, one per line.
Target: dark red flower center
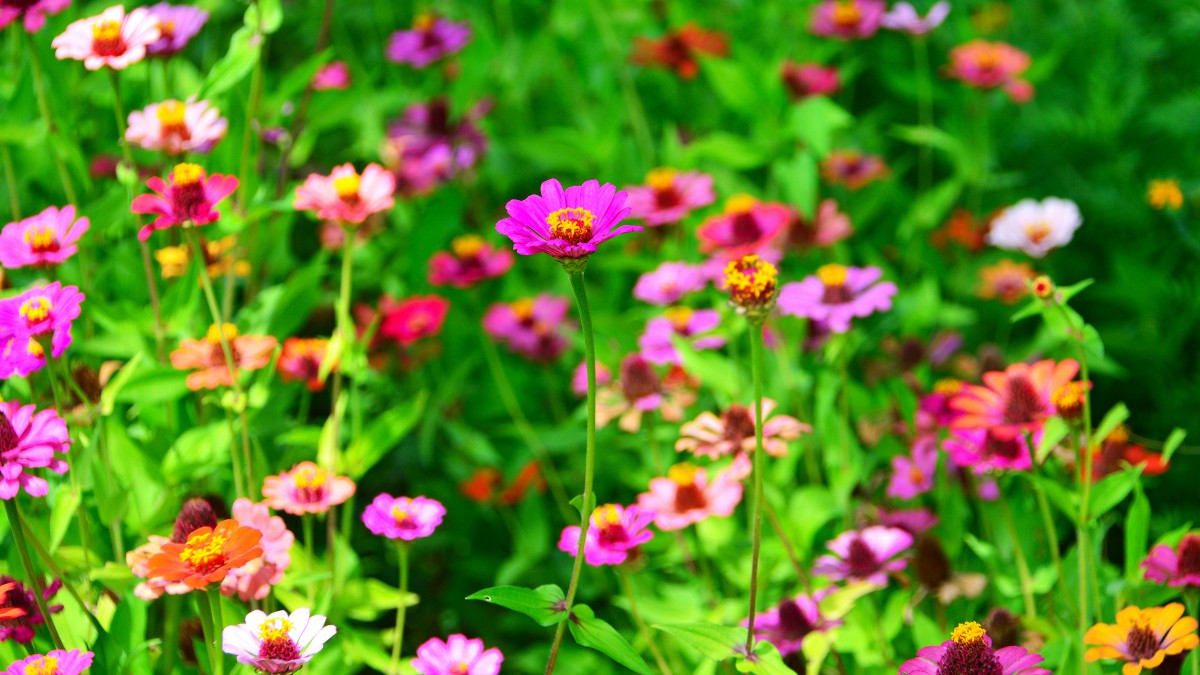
(8, 435)
(667, 198)
(21, 5)
(970, 658)
(638, 379)
(739, 424)
(1006, 448)
(861, 559)
(793, 624)
(1022, 403)
(195, 514)
(1189, 555)
(1142, 643)
(689, 498)
(106, 38)
(744, 229)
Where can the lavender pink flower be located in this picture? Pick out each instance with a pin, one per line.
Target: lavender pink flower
(837, 294)
(579, 383)
(403, 518)
(187, 198)
(30, 439)
(29, 319)
(535, 328)
(346, 197)
(615, 532)
(669, 282)
(426, 147)
(470, 260)
(49, 238)
(177, 25)
(306, 488)
(669, 196)
(1177, 567)
(54, 662)
(112, 39)
(694, 326)
(847, 19)
(430, 39)
(787, 624)
(992, 65)
(829, 227)
(984, 450)
(457, 655)
(903, 17)
(569, 223)
(913, 474)
(176, 127)
(32, 12)
(867, 555)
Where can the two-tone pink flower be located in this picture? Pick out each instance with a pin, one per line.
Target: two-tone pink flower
(113, 39)
(49, 238)
(614, 534)
(186, 199)
(346, 197)
(177, 127)
(668, 196)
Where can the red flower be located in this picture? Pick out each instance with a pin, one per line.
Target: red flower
(677, 50)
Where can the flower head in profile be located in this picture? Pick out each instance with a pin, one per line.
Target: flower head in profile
(752, 284)
(457, 655)
(847, 19)
(1035, 227)
(687, 495)
(1006, 281)
(992, 65)
(404, 518)
(1175, 566)
(837, 294)
(669, 196)
(641, 389)
(431, 38)
(38, 318)
(208, 555)
(177, 127)
(805, 80)
(787, 624)
(616, 530)
(853, 169)
(54, 662)
(1015, 400)
(306, 488)
(112, 39)
(536, 328)
(346, 197)
(903, 17)
(1142, 638)
(1164, 195)
(566, 224)
(968, 651)
(669, 282)
(828, 228)
(187, 198)
(49, 238)
(427, 146)
(693, 325)
(207, 356)
(679, 50)
(253, 581)
(746, 227)
(19, 612)
(177, 25)
(470, 260)
(333, 76)
(32, 12)
(300, 361)
(865, 555)
(278, 642)
(221, 256)
(733, 432)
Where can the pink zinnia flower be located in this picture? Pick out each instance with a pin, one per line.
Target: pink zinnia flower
(987, 450)
(33, 11)
(114, 38)
(536, 328)
(345, 196)
(837, 294)
(30, 439)
(804, 80)
(733, 432)
(669, 196)
(426, 147)
(788, 623)
(669, 282)
(22, 628)
(1019, 399)
(616, 530)
(253, 581)
(912, 475)
(300, 361)
(847, 19)
(55, 662)
(404, 518)
(28, 319)
(1177, 567)
(187, 198)
(207, 356)
(828, 228)
(569, 223)
(457, 655)
(430, 39)
(412, 319)
(279, 642)
(138, 561)
(639, 390)
(867, 555)
(970, 650)
(992, 65)
(747, 227)
(686, 495)
(176, 127)
(177, 25)
(471, 259)
(904, 18)
(306, 488)
(913, 521)
(655, 342)
(333, 76)
(579, 383)
(852, 169)
(45, 239)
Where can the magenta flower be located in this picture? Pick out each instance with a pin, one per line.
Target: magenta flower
(55, 662)
(469, 261)
(655, 343)
(113, 39)
(984, 451)
(616, 530)
(45, 239)
(346, 197)
(278, 642)
(1177, 567)
(30, 440)
(747, 227)
(332, 77)
(403, 517)
(579, 383)
(669, 196)
(804, 80)
(187, 198)
(913, 521)
(687, 496)
(430, 39)
(457, 655)
(33, 11)
(837, 294)
(566, 224)
(903, 17)
(176, 127)
(426, 147)
(412, 319)
(992, 65)
(969, 650)
(536, 328)
(253, 581)
(28, 319)
(847, 19)
(23, 629)
(788, 623)
(828, 228)
(912, 475)
(177, 25)
(669, 283)
(867, 555)
(733, 432)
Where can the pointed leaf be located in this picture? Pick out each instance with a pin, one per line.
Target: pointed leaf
(1172, 444)
(712, 640)
(599, 635)
(1056, 430)
(1112, 419)
(542, 604)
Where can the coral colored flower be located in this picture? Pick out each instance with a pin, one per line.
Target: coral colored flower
(752, 283)
(1116, 452)
(430, 39)
(481, 486)
(529, 477)
(471, 259)
(7, 610)
(1164, 195)
(306, 488)
(746, 227)
(963, 228)
(793, 619)
(187, 198)
(569, 223)
(969, 651)
(19, 613)
(536, 328)
(679, 50)
(176, 127)
(711, 436)
(669, 196)
(278, 642)
(616, 530)
(1142, 638)
(457, 655)
(207, 356)
(30, 439)
(177, 25)
(992, 65)
(33, 12)
(29, 320)
(54, 662)
(669, 282)
(1035, 227)
(687, 496)
(404, 518)
(853, 169)
(640, 390)
(208, 555)
(847, 19)
(987, 450)
(866, 555)
(656, 343)
(804, 80)
(412, 319)
(579, 383)
(1177, 567)
(221, 256)
(113, 39)
(1016, 400)
(345, 196)
(912, 475)
(829, 227)
(253, 581)
(48, 238)
(332, 77)
(426, 147)
(300, 361)
(837, 295)
(1005, 281)
(903, 17)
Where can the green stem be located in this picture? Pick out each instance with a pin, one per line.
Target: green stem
(10, 177)
(57, 573)
(17, 525)
(85, 538)
(756, 363)
(44, 108)
(1019, 553)
(345, 328)
(788, 548)
(239, 483)
(398, 639)
(627, 585)
(170, 635)
(306, 524)
(1047, 516)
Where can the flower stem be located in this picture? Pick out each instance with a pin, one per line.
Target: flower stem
(589, 348)
(44, 108)
(10, 177)
(627, 585)
(306, 524)
(398, 639)
(1019, 553)
(57, 573)
(756, 364)
(209, 609)
(345, 328)
(788, 548)
(17, 525)
(85, 538)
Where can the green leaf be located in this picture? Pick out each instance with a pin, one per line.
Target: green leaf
(1056, 430)
(382, 436)
(816, 647)
(542, 604)
(1061, 497)
(1137, 535)
(272, 16)
(1172, 444)
(1112, 419)
(108, 397)
(711, 640)
(816, 121)
(1112, 491)
(839, 603)
(599, 635)
(709, 366)
(239, 60)
(66, 502)
(1068, 292)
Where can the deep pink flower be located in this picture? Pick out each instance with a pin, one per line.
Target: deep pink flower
(669, 282)
(403, 517)
(641, 389)
(847, 19)
(176, 127)
(471, 259)
(913, 521)
(457, 655)
(992, 65)
(733, 432)
(866, 555)
(411, 319)
(187, 198)
(669, 196)
(793, 619)
(306, 488)
(177, 25)
(853, 169)
(54, 662)
(426, 147)
(747, 227)
(22, 629)
(837, 295)
(28, 319)
(655, 342)
(687, 496)
(536, 328)
(253, 581)
(970, 651)
(913, 475)
(279, 642)
(45, 239)
(828, 228)
(333, 76)
(804, 80)
(30, 439)
(579, 383)
(113, 39)
(1177, 567)
(615, 531)
(430, 39)
(33, 11)
(345, 196)
(569, 223)
(904, 18)
(987, 450)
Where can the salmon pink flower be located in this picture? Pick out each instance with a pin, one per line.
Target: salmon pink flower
(412, 319)
(805, 80)
(640, 389)
(30, 439)
(847, 19)
(837, 295)
(852, 169)
(427, 147)
(1014, 401)
(866, 555)
(187, 199)
(656, 341)
(566, 224)
(300, 361)
(457, 655)
(54, 662)
(788, 623)
(30, 320)
(207, 356)
(332, 77)
(669, 196)
(253, 581)
(669, 282)
(733, 432)
(208, 555)
(346, 197)
(1179, 566)
(747, 226)
(1005, 281)
(903, 17)
(828, 228)
(470, 260)
(615, 532)
(431, 38)
(1035, 227)
(536, 328)
(19, 612)
(49, 238)
(1142, 638)
(176, 127)
(404, 518)
(679, 50)
(177, 25)
(278, 642)
(138, 561)
(687, 496)
(306, 488)
(113, 39)
(969, 650)
(1117, 451)
(33, 12)
(992, 65)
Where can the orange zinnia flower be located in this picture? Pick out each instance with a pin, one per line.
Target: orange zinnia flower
(7, 613)
(1142, 638)
(677, 50)
(208, 555)
(1016, 400)
(207, 357)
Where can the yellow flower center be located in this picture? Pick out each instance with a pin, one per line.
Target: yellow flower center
(35, 350)
(106, 31)
(523, 309)
(401, 513)
(661, 178)
(948, 387)
(573, 225)
(170, 114)
(347, 186)
(188, 174)
(832, 274)
(36, 309)
(751, 281)
(1118, 435)
(683, 473)
(1043, 287)
(1165, 194)
(679, 317)
(275, 629)
(215, 331)
(847, 13)
(467, 246)
(41, 239)
(968, 633)
(424, 22)
(45, 665)
(460, 668)
(309, 478)
(166, 28)
(204, 551)
(1038, 231)
(740, 204)
(607, 515)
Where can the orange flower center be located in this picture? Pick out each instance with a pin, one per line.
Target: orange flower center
(106, 38)
(44, 665)
(171, 116)
(523, 309)
(988, 57)
(424, 22)
(683, 473)
(460, 668)
(204, 551)
(948, 387)
(832, 275)
(847, 14)
(347, 187)
(309, 478)
(401, 513)
(166, 29)
(916, 475)
(36, 309)
(41, 239)
(467, 246)
(606, 515)
(573, 225)
(1036, 232)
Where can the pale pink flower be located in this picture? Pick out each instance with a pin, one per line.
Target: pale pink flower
(345, 196)
(904, 18)
(733, 432)
(176, 127)
(687, 496)
(641, 389)
(669, 196)
(34, 11)
(457, 655)
(306, 488)
(113, 39)
(253, 581)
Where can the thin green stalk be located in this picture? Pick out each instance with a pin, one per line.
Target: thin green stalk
(170, 635)
(306, 524)
(1019, 552)
(51, 127)
(58, 573)
(17, 525)
(344, 324)
(85, 538)
(589, 348)
(239, 483)
(398, 639)
(256, 87)
(627, 585)
(788, 548)
(10, 177)
(756, 363)
(331, 546)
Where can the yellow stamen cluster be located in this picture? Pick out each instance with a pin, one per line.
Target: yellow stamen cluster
(46, 665)
(739, 204)
(988, 57)
(683, 473)
(106, 31)
(309, 478)
(400, 512)
(948, 387)
(832, 274)
(424, 22)
(679, 317)
(1043, 287)
(606, 515)
(41, 238)
(36, 309)
(1038, 231)
(35, 349)
(275, 629)
(1165, 194)
(571, 224)
(1119, 435)
(347, 186)
(203, 549)
(171, 114)
(522, 308)
(661, 178)
(215, 331)
(467, 246)
(461, 668)
(968, 633)
(1068, 400)
(751, 282)
(847, 13)
(188, 174)
(166, 27)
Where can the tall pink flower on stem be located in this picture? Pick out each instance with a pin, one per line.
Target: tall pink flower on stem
(113, 39)
(33, 320)
(279, 642)
(687, 495)
(470, 260)
(847, 19)
(656, 341)
(253, 581)
(787, 624)
(430, 39)
(30, 439)
(345, 196)
(177, 127)
(32, 12)
(1177, 567)
(177, 25)
(733, 432)
(186, 199)
(54, 662)
(992, 65)
(306, 488)
(566, 224)
(457, 655)
(403, 518)
(836, 295)
(747, 227)
(805, 80)
(615, 532)
(669, 282)
(669, 196)
(867, 555)
(49, 238)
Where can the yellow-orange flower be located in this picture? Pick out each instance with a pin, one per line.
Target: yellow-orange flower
(208, 555)
(1005, 281)
(1164, 194)
(219, 255)
(1142, 638)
